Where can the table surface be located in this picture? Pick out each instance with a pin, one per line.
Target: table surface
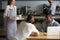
(43, 35)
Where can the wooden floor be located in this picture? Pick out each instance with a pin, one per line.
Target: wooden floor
(2, 38)
(2, 34)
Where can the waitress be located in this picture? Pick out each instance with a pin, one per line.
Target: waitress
(10, 15)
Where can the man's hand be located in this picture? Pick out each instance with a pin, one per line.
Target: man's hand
(34, 34)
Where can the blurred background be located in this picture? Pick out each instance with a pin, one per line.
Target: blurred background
(25, 7)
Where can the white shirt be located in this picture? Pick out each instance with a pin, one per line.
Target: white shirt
(6, 13)
(7, 10)
(24, 30)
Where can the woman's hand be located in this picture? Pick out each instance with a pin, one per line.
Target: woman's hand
(11, 18)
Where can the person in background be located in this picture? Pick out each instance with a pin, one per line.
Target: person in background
(49, 21)
(52, 7)
(26, 28)
(10, 19)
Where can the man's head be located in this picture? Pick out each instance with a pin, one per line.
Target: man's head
(48, 18)
(50, 1)
(30, 18)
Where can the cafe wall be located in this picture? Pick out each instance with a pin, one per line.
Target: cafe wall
(35, 5)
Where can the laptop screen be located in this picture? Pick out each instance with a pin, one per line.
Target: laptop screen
(53, 30)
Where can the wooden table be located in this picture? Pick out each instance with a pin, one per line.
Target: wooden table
(43, 36)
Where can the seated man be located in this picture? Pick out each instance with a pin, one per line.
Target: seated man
(26, 28)
(49, 21)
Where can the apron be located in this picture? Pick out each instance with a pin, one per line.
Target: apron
(11, 24)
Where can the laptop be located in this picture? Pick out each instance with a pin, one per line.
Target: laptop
(53, 30)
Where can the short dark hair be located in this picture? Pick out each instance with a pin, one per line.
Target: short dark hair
(29, 17)
(9, 2)
(46, 16)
